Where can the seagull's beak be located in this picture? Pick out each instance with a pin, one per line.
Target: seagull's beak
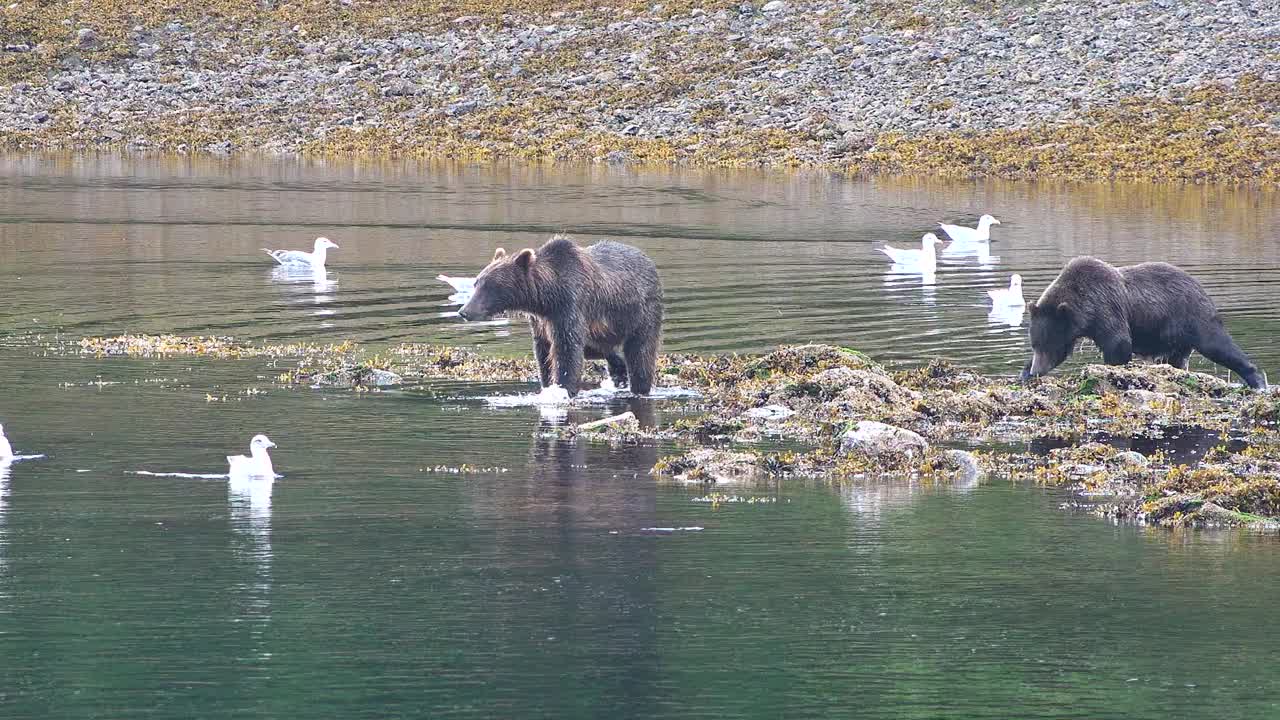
(995, 222)
(270, 444)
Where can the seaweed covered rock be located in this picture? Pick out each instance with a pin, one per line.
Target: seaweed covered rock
(1164, 379)
(940, 374)
(710, 465)
(866, 391)
(806, 360)
(343, 374)
(438, 361)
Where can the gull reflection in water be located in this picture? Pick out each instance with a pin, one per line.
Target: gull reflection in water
(249, 502)
(900, 278)
(303, 281)
(1010, 315)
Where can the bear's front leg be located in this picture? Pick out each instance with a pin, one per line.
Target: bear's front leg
(567, 349)
(541, 351)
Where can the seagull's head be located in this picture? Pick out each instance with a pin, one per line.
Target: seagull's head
(1, 430)
(260, 443)
(324, 243)
(1015, 283)
(987, 220)
(929, 240)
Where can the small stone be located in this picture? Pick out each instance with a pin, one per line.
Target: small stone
(86, 39)
(40, 116)
(774, 6)
(63, 85)
(459, 109)
(964, 463)
(17, 48)
(617, 157)
(1034, 41)
(1129, 458)
(770, 412)
(400, 88)
(383, 378)
(871, 40)
(146, 52)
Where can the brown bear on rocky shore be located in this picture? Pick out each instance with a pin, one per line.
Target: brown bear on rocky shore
(1152, 310)
(581, 303)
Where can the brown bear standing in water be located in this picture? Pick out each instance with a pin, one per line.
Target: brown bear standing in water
(1152, 310)
(581, 303)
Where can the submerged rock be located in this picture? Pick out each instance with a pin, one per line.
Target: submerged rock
(710, 465)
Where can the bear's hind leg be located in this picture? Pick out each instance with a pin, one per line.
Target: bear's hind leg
(1179, 358)
(641, 352)
(617, 369)
(1218, 346)
(1117, 351)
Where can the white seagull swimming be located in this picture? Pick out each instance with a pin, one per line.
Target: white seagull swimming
(460, 284)
(299, 258)
(257, 463)
(6, 450)
(967, 235)
(1010, 296)
(924, 260)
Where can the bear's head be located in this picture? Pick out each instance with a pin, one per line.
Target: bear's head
(1054, 331)
(506, 283)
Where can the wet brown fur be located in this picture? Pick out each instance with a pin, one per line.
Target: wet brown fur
(601, 302)
(1152, 309)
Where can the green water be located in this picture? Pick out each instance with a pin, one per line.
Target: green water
(370, 581)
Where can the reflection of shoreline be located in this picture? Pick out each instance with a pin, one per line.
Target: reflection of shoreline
(249, 503)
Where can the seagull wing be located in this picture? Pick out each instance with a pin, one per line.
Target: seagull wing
(289, 257)
(461, 284)
(894, 253)
(959, 233)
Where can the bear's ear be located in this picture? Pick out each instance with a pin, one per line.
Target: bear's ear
(498, 255)
(1064, 309)
(1034, 309)
(525, 258)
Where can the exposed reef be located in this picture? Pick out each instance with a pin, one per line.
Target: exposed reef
(1150, 443)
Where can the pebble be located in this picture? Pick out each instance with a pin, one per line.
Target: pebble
(86, 39)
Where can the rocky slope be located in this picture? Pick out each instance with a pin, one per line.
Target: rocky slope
(1156, 89)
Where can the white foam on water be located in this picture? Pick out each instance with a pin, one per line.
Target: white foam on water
(556, 396)
(550, 395)
(668, 530)
(20, 458)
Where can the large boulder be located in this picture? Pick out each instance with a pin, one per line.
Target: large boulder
(878, 440)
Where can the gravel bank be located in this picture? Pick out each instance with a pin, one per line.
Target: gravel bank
(1152, 89)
